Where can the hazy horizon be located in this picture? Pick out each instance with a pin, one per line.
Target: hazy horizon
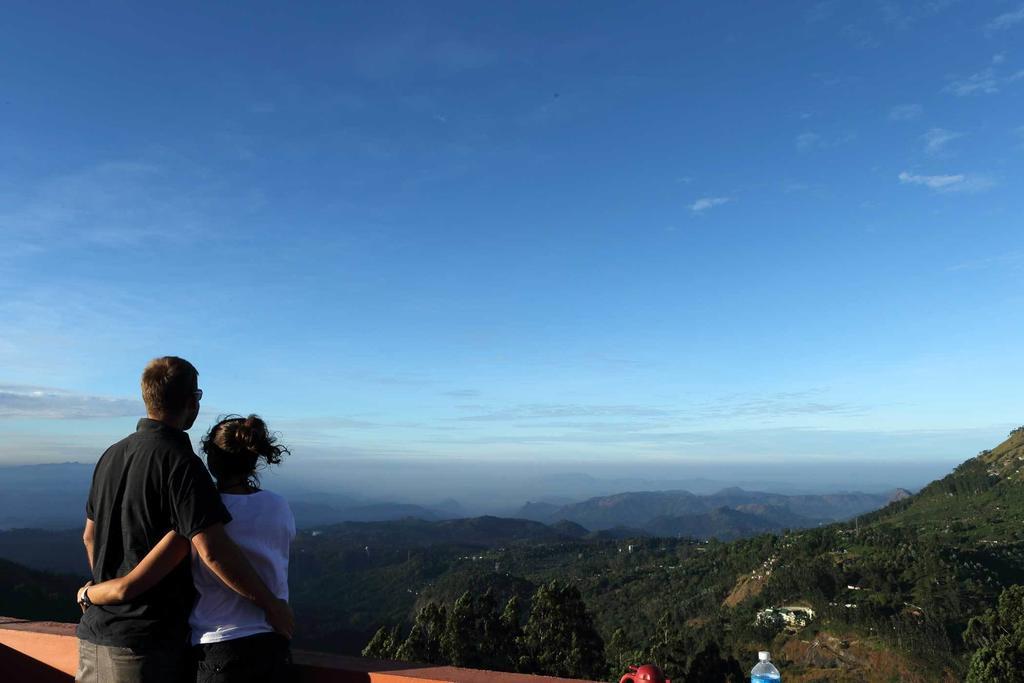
(490, 486)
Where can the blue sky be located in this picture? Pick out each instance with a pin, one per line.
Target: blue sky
(526, 232)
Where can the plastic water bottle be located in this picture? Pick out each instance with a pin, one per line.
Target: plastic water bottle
(765, 671)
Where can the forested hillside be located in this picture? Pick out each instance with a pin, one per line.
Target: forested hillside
(30, 594)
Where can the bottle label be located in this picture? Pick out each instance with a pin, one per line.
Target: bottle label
(765, 678)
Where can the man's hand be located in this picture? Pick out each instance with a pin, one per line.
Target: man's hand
(78, 597)
(280, 618)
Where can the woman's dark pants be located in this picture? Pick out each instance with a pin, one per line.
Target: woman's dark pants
(262, 658)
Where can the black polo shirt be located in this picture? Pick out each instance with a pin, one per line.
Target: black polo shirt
(144, 486)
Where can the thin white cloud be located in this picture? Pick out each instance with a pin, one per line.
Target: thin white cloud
(903, 16)
(1007, 20)
(800, 403)
(113, 205)
(859, 37)
(778, 404)
(21, 401)
(820, 11)
(705, 203)
(1011, 258)
(807, 140)
(988, 81)
(413, 52)
(936, 139)
(542, 411)
(327, 423)
(462, 393)
(905, 112)
(797, 186)
(396, 379)
(810, 140)
(935, 182)
(959, 182)
(983, 82)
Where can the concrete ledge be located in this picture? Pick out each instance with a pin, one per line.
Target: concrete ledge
(47, 652)
(50, 644)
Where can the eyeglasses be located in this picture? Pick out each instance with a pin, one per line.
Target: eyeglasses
(199, 394)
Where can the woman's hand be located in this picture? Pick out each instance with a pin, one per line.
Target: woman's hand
(78, 597)
(280, 618)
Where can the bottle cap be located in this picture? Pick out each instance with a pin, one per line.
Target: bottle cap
(763, 656)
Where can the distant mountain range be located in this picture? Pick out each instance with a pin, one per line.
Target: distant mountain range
(730, 513)
(52, 496)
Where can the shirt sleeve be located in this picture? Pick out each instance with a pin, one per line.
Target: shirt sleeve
(90, 501)
(195, 503)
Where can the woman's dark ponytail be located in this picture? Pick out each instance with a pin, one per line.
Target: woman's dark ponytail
(236, 447)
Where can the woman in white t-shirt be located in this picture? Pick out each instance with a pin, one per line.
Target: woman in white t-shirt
(231, 637)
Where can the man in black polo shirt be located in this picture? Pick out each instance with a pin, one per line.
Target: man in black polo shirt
(144, 486)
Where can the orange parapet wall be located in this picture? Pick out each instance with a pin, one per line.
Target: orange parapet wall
(47, 652)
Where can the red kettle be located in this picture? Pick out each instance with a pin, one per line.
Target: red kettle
(647, 672)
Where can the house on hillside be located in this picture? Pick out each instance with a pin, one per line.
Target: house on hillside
(769, 618)
(797, 615)
(788, 616)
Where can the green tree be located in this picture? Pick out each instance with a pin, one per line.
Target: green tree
(471, 634)
(998, 636)
(559, 638)
(423, 643)
(474, 636)
(487, 623)
(622, 654)
(508, 622)
(692, 654)
(458, 641)
(509, 635)
(384, 644)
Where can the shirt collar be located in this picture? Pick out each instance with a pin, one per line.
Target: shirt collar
(146, 425)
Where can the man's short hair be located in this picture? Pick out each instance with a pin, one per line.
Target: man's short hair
(168, 384)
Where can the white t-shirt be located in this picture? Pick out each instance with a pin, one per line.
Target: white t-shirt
(263, 527)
